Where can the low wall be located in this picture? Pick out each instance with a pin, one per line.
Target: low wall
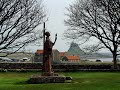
(56, 67)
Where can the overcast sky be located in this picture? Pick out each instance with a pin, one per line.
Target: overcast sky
(56, 14)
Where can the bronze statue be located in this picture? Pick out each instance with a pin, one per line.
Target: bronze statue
(48, 45)
(48, 76)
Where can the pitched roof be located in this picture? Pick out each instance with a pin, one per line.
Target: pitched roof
(62, 53)
(39, 51)
(73, 57)
(54, 50)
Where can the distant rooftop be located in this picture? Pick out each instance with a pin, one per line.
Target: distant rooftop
(39, 51)
(62, 53)
(73, 57)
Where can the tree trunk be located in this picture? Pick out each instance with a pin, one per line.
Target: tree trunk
(114, 60)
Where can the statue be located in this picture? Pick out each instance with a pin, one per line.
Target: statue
(48, 76)
(48, 45)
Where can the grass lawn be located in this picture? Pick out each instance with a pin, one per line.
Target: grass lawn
(81, 81)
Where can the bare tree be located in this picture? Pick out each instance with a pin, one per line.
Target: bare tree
(18, 22)
(96, 18)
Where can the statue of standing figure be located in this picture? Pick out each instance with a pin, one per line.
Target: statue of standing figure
(48, 76)
(48, 45)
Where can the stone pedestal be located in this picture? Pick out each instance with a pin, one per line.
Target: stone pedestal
(36, 79)
(49, 74)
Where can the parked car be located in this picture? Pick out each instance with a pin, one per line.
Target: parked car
(25, 59)
(5, 59)
(98, 60)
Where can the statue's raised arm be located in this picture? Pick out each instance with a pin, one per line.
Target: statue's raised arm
(55, 39)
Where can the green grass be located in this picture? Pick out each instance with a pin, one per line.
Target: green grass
(81, 81)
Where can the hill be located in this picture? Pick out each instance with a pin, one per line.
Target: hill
(75, 50)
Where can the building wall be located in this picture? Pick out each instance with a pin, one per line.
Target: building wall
(74, 60)
(38, 57)
(56, 56)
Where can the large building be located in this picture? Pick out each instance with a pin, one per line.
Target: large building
(39, 56)
(73, 58)
(69, 58)
(57, 56)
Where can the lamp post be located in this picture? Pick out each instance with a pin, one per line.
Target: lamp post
(43, 67)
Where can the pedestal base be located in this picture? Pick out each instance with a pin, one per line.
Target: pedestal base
(35, 79)
(49, 74)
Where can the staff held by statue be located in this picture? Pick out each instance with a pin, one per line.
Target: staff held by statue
(47, 54)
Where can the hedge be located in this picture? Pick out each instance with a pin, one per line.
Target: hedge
(58, 67)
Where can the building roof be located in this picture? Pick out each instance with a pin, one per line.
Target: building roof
(62, 53)
(39, 51)
(53, 50)
(73, 57)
